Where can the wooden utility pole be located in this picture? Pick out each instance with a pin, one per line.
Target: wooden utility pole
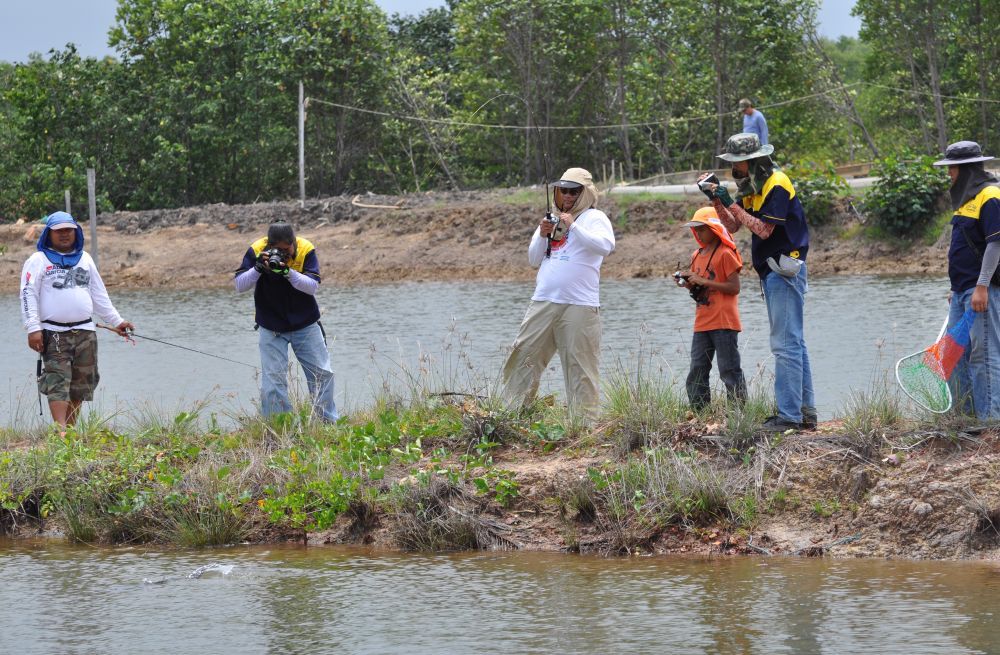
(302, 146)
(68, 206)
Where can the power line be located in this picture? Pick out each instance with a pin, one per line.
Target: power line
(614, 126)
(929, 94)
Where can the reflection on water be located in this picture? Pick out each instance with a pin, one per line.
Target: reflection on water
(284, 599)
(854, 327)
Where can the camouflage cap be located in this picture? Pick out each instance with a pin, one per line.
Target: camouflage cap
(743, 146)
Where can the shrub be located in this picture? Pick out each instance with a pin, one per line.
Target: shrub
(427, 522)
(818, 187)
(904, 199)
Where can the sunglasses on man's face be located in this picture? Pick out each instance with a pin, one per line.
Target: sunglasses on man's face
(571, 192)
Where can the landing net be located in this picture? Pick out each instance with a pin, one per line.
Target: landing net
(924, 375)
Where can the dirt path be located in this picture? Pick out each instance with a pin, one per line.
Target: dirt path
(440, 236)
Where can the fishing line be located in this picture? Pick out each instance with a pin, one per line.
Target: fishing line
(133, 335)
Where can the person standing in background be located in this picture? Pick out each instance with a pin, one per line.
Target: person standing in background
(753, 121)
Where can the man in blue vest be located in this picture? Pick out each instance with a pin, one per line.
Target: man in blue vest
(972, 267)
(283, 271)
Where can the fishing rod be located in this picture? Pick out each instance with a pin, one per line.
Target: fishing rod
(545, 159)
(132, 335)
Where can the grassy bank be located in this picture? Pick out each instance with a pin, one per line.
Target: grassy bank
(434, 470)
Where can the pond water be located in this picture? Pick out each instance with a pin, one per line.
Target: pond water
(62, 599)
(856, 327)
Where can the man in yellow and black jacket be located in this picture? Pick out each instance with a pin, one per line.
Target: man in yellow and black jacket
(769, 207)
(283, 271)
(972, 271)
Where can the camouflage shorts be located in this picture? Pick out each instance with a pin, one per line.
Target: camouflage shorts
(70, 360)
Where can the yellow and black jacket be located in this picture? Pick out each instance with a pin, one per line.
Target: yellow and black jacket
(777, 204)
(279, 306)
(974, 224)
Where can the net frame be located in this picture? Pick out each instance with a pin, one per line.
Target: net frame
(923, 383)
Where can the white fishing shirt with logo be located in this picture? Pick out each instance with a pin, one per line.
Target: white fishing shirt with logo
(65, 295)
(572, 274)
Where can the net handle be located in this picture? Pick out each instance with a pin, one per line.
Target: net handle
(899, 381)
(944, 326)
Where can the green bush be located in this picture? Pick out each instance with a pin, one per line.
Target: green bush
(904, 199)
(818, 187)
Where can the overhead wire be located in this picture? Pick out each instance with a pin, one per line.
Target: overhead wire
(608, 126)
(673, 120)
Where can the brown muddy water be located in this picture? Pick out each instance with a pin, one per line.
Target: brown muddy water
(57, 598)
(856, 327)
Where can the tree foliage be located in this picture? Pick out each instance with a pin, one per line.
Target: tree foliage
(200, 103)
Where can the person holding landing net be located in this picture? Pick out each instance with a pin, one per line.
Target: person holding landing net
(975, 284)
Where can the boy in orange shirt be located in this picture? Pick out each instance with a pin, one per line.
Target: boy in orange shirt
(714, 282)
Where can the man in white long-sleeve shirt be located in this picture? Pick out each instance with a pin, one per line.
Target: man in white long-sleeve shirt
(60, 291)
(564, 314)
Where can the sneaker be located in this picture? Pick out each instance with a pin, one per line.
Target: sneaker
(778, 424)
(809, 418)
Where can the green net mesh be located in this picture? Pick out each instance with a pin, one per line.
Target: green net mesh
(922, 384)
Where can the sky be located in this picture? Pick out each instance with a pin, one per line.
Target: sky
(28, 26)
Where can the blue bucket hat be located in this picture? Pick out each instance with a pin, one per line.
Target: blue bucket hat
(61, 221)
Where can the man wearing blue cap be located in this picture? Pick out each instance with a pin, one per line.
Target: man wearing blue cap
(60, 291)
(972, 271)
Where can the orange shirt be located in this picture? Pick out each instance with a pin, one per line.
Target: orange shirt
(722, 311)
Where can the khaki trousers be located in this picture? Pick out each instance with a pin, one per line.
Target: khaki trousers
(574, 331)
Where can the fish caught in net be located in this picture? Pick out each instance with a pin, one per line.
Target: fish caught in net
(924, 375)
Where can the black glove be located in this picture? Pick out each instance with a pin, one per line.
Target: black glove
(260, 265)
(722, 193)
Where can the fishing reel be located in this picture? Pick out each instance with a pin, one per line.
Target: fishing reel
(698, 292)
(559, 229)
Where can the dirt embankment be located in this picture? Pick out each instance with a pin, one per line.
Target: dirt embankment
(818, 495)
(435, 236)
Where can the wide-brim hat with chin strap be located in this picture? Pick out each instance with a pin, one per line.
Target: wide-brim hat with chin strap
(962, 152)
(744, 146)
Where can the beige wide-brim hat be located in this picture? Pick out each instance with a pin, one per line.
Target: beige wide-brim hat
(573, 178)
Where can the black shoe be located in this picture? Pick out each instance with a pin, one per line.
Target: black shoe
(778, 424)
(809, 418)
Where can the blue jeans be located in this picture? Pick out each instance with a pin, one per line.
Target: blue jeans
(310, 349)
(793, 386)
(975, 382)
